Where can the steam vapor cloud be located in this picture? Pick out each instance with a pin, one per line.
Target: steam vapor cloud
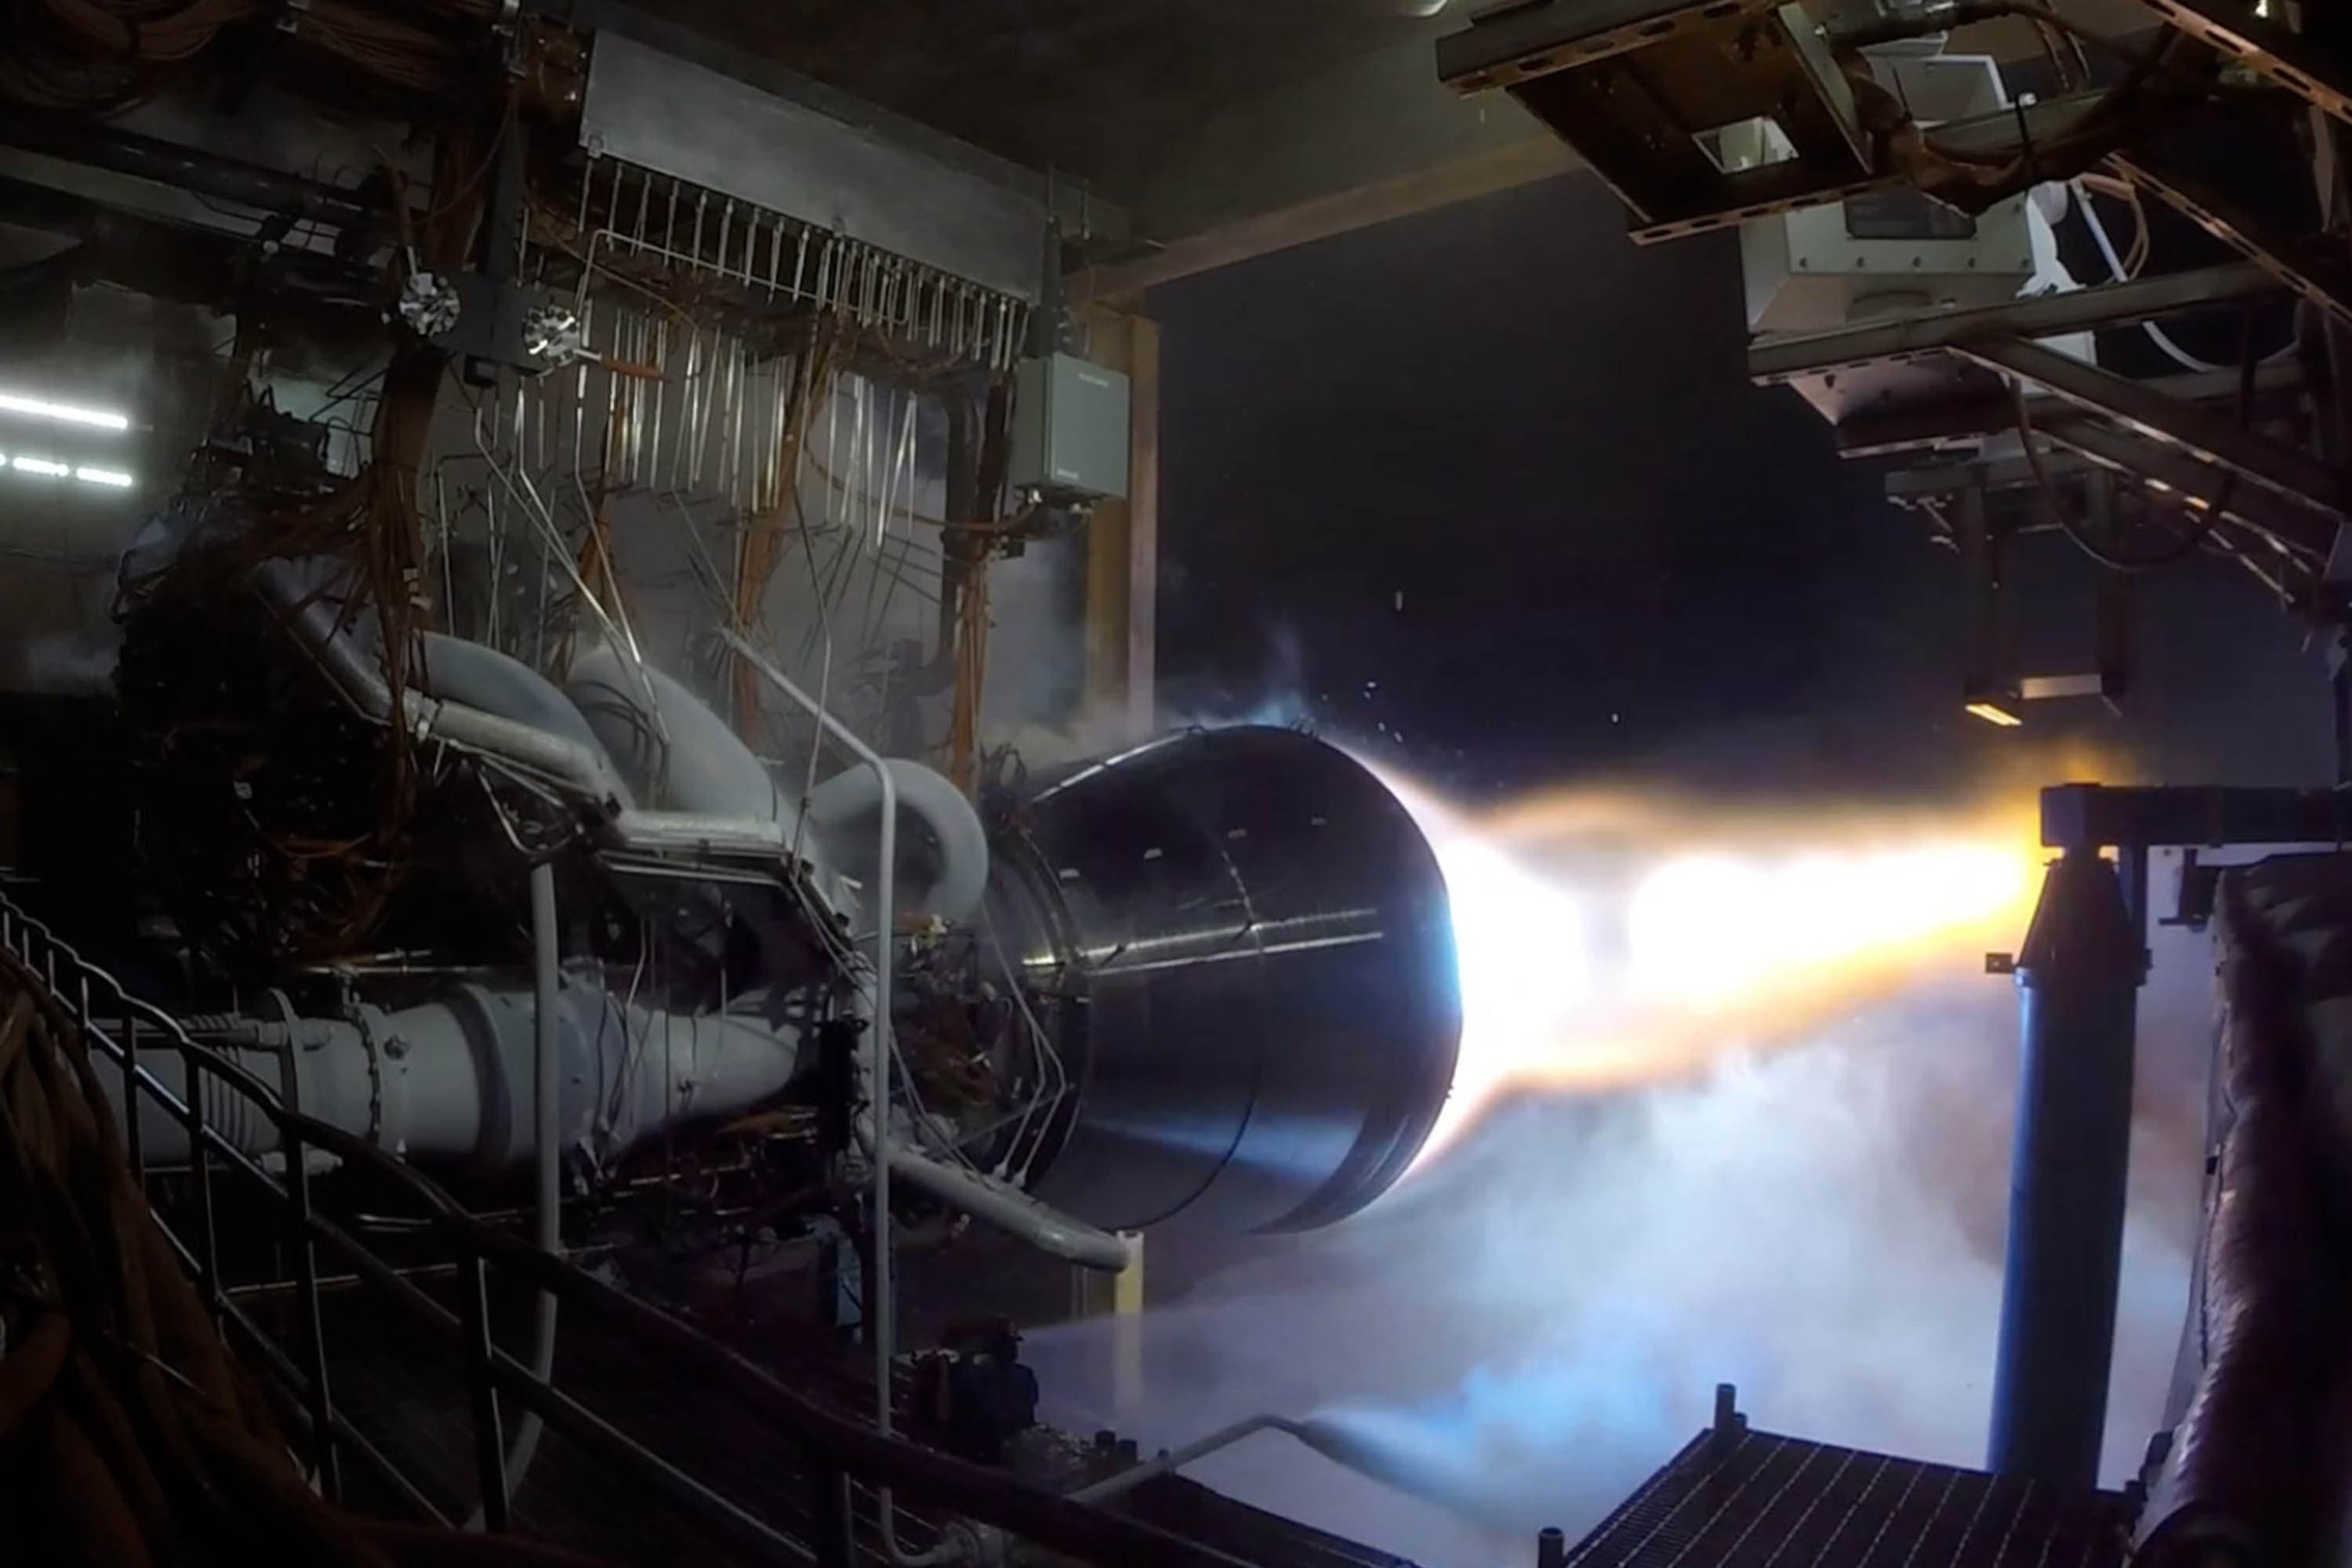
(1734, 1106)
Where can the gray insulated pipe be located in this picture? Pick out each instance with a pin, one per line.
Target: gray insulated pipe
(449, 1084)
(1243, 944)
(676, 751)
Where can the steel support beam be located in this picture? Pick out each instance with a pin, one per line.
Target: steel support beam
(191, 169)
(1785, 358)
(2233, 28)
(1516, 43)
(1123, 537)
(2090, 443)
(187, 262)
(1324, 218)
(1915, 429)
(2094, 816)
(2197, 431)
(2168, 472)
(2313, 267)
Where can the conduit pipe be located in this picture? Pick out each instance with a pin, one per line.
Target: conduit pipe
(1172, 1460)
(882, 1308)
(547, 1144)
(1001, 1204)
(675, 751)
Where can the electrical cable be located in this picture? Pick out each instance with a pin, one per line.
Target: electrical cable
(2121, 272)
(2067, 525)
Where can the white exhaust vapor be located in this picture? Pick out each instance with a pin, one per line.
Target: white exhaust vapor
(1734, 1107)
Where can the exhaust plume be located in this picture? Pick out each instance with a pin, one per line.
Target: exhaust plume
(1734, 1106)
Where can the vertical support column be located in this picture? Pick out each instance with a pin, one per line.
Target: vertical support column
(2112, 612)
(1989, 651)
(1123, 537)
(1143, 530)
(2078, 980)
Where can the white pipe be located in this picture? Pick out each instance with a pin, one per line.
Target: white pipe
(1169, 1461)
(2156, 334)
(547, 1141)
(882, 1310)
(585, 772)
(699, 765)
(844, 801)
(587, 776)
(1006, 1206)
(314, 615)
(448, 1084)
(687, 832)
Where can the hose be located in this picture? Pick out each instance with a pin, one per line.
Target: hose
(2120, 273)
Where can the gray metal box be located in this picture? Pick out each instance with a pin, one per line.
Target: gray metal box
(1069, 429)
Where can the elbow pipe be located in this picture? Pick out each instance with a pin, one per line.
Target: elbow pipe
(310, 602)
(311, 597)
(675, 750)
(478, 676)
(841, 811)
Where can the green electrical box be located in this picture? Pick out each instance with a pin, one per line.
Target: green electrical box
(1069, 429)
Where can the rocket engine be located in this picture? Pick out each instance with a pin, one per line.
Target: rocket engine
(1243, 941)
(1210, 977)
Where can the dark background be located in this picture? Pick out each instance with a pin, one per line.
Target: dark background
(1617, 557)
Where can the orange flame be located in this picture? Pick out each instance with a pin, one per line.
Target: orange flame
(1607, 939)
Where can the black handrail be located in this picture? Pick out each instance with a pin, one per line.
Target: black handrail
(832, 1444)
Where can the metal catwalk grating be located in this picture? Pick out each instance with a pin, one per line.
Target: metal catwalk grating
(1741, 1498)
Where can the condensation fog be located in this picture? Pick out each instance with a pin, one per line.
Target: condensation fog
(1535, 1321)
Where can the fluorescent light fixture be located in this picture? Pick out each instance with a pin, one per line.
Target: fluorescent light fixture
(114, 477)
(41, 466)
(1994, 713)
(2042, 688)
(64, 413)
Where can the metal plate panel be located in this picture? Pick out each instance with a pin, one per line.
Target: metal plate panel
(693, 123)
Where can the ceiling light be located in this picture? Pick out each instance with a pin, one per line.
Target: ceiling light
(1994, 713)
(64, 413)
(41, 466)
(114, 477)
